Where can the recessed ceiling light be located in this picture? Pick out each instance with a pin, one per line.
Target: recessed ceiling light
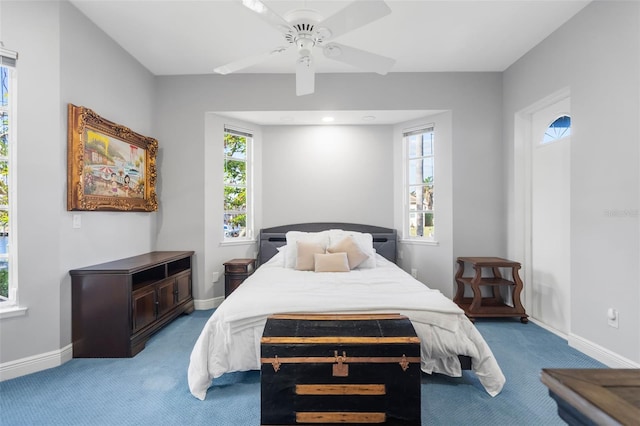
(327, 119)
(368, 118)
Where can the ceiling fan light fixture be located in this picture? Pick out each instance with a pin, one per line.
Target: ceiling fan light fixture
(305, 46)
(307, 29)
(278, 50)
(332, 51)
(323, 33)
(305, 61)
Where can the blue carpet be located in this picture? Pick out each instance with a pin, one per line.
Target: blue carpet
(151, 388)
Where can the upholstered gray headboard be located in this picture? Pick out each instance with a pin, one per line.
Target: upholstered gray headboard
(384, 239)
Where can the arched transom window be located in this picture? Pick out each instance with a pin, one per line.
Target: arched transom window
(559, 129)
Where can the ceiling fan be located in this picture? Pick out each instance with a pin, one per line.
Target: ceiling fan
(305, 30)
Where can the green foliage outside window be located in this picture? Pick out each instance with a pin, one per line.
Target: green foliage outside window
(235, 180)
(4, 282)
(4, 177)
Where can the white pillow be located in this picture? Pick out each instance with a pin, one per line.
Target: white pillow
(332, 262)
(363, 240)
(291, 253)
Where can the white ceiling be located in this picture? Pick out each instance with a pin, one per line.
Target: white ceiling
(194, 37)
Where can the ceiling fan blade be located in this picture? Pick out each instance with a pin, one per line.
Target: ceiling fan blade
(362, 59)
(305, 76)
(277, 21)
(248, 61)
(354, 15)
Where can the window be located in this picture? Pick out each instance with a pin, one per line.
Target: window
(419, 217)
(8, 280)
(237, 220)
(560, 128)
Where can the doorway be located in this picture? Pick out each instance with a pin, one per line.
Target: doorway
(548, 263)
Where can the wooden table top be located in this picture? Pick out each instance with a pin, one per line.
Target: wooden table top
(489, 261)
(606, 396)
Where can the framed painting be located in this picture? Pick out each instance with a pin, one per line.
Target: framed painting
(110, 167)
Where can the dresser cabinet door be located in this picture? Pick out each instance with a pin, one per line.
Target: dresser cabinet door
(144, 307)
(183, 284)
(166, 296)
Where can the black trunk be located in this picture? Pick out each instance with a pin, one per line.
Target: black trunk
(340, 369)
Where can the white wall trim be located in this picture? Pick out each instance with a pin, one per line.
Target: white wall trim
(595, 351)
(35, 363)
(206, 304)
(549, 328)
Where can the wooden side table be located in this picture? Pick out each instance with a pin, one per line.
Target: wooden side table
(479, 306)
(235, 272)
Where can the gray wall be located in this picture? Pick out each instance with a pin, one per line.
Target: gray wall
(326, 174)
(64, 59)
(596, 56)
(190, 159)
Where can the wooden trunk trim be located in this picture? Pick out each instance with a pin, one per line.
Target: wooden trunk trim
(346, 360)
(358, 389)
(334, 317)
(370, 340)
(339, 417)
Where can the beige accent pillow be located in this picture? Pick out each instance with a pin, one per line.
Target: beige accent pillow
(291, 253)
(349, 246)
(304, 255)
(331, 262)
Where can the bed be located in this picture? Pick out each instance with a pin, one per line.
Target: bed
(285, 282)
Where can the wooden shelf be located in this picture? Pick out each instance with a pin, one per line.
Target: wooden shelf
(480, 306)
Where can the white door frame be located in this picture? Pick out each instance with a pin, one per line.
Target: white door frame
(523, 156)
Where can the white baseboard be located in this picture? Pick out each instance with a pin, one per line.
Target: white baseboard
(206, 304)
(35, 363)
(549, 328)
(597, 352)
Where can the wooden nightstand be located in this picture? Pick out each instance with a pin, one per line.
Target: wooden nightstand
(235, 272)
(479, 306)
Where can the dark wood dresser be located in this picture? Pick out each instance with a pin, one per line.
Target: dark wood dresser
(340, 369)
(117, 306)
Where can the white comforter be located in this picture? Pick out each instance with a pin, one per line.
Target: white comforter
(230, 340)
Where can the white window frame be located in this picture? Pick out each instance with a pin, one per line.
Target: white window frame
(249, 235)
(407, 237)
(9, 307)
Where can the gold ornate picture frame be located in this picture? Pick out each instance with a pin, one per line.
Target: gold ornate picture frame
(109, 166)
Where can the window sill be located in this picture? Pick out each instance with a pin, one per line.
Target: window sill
(12, 311)
(237, 242)
(412, 241)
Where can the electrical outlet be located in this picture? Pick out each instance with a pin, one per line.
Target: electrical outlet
(77, 221)
(215, 277)
(414, 272)
(612, 317)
